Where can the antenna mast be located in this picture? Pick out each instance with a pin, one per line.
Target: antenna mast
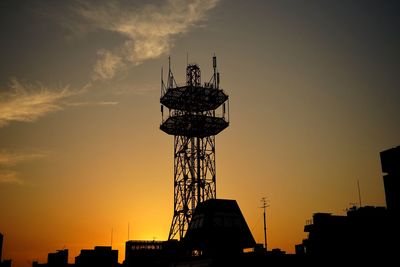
(194, 124)
(264, 206)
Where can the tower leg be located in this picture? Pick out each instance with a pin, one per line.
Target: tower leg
(194, 179)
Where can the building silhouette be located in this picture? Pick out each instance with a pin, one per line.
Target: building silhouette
(100, 256)
(59, 258)
(364, 234)
(217, 229)
(55, 259)
(390, 162)
(143, 252)
(152, 253)
(3, 263)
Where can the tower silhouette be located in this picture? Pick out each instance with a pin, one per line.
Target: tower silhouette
(196, 113)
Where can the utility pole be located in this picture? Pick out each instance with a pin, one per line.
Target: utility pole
(264, 206)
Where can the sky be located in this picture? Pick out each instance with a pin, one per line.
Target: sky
(314, 97)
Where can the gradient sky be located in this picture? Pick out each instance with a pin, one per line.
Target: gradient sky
(314, 97)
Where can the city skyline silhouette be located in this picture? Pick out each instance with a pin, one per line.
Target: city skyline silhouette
(217, 234)
(313, 91)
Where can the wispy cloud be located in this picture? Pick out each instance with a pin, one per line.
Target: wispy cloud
(107, 65)
(9, 160)
(101, 103)
(9, 177)
(27, 102)
(149, 30)
(108, 103)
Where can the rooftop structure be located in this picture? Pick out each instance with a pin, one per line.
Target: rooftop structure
(218, 228)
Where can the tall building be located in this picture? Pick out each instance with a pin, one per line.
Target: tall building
(390, 162)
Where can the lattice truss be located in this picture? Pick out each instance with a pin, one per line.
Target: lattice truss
(193, 121)
(194, 178)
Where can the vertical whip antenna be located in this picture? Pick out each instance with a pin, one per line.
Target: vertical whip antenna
(215, 71)
(169, 73)
(264, 206)
(162, 81)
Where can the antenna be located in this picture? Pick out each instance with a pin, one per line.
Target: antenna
(214, 62)
(171, 80)
(359, 192)
(169, 73)
(215, 71)
(162, 81)
(264, 206)
(128, 230)
(162, 113)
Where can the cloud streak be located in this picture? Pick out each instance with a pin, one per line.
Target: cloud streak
(9, 177)
(27, 102)
(148, 30)
(101, 103)
(10, 160)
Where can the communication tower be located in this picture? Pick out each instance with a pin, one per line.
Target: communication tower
(196, 113)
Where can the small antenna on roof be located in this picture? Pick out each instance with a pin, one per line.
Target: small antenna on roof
(169, 73)
(215, 71)
(162, 81)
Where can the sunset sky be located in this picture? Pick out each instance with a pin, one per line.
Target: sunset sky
(314, 97)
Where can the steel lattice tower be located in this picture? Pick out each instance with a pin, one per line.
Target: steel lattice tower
(196, 113)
